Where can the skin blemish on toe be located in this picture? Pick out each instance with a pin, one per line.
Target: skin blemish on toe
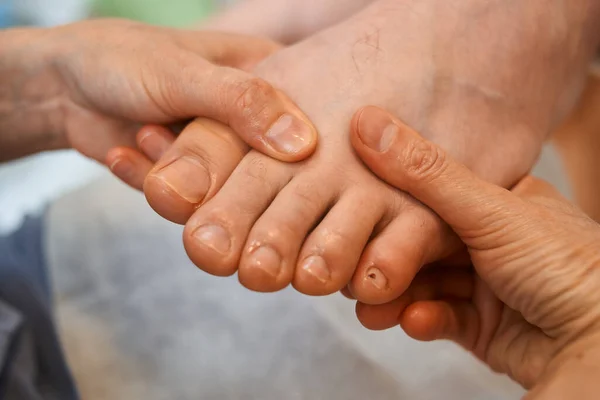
(214, 237)
(376, 278)
(317, 267)
(265, 258)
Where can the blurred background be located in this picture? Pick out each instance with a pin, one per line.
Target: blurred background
(27, 185)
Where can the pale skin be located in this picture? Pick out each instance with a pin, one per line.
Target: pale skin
(283, 21)
(460, 73)
(527, 303)
(578, 144)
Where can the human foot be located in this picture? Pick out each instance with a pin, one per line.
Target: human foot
(578, 144)
(311, 223)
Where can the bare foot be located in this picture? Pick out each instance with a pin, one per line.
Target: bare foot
(578, 143)
(322, 223)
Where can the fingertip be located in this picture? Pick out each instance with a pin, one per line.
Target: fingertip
(423, 321)
(128, 165)
(154, 141)
(381, 317)
(376, 129)
(347, 293)
(290, 138)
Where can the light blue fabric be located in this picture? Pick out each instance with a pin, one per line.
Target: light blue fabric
(6, 13)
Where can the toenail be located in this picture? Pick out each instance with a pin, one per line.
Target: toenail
(187, 177)
(289, 135)
(214, 237)
(266, 259)
(317, 267)
(377, 278)
(376, 129)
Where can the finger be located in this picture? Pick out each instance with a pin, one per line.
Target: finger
(129, 165)
(347, 293)
(455, 320)
(154, 141)
(427, 286)
(401, 157)
(261, 115)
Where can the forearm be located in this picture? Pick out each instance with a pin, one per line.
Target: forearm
(29, 94)
(284, 21)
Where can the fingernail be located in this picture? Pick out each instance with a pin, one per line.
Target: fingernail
(317, 267)
(122, 168)
(377, 278)
(376, 129)
(187, 177)
(214, 237)
(155, 147)
(289, 135)
(266, 259)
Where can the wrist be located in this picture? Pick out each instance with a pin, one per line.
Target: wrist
(30, 93)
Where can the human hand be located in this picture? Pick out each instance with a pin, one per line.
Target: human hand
(531, 300)
(110, 76)
(279, 224)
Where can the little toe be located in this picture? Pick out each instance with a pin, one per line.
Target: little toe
(393, 258)
(129, 165)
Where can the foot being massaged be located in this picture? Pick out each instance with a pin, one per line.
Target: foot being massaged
(383, 151)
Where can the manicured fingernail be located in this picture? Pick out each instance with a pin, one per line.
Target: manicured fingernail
(376, 278)
(214, 237)
(187, 177)
(289, 135)
(267, 259)
(376, 129)
(317, 267)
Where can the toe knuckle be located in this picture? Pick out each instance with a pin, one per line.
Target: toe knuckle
(308, 197)
(423, 160)
(256, 169)
(258, 172)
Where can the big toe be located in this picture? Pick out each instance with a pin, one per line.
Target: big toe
(193, 169)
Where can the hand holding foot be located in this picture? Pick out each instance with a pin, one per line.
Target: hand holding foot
(326, 221)
(532, 301)
(90, 85)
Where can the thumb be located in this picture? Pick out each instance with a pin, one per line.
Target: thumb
(264, 117)
(401, 157)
